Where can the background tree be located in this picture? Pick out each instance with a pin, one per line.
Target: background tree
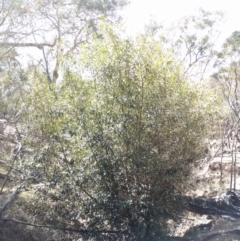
(227, 74)
(194, 41)
(53, 28)
(227, 78)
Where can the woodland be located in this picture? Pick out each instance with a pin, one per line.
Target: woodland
(99, 131)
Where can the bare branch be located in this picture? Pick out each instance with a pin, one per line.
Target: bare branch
(40, 46)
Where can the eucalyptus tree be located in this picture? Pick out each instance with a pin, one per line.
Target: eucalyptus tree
(54, 28)
(228, 70)
(194, 41)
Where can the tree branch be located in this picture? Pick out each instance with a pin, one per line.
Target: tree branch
(10, 199)
(62, 228)
(36, 45)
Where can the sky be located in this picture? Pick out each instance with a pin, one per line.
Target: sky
(140, 12)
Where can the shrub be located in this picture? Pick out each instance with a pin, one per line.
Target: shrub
(117, 143)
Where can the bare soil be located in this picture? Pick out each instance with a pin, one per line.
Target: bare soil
(211, 178)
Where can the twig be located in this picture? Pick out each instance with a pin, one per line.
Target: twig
(17, 149)
(46, 64)
(10, 198)
(36, 45)
(225, 139)
(62, 228)
(5, 179)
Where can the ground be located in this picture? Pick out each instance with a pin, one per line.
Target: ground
(211, 177)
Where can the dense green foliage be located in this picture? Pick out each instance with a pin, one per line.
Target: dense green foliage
(115, 145)
(103, 130)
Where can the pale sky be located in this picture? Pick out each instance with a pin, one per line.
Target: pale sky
(140, 12)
